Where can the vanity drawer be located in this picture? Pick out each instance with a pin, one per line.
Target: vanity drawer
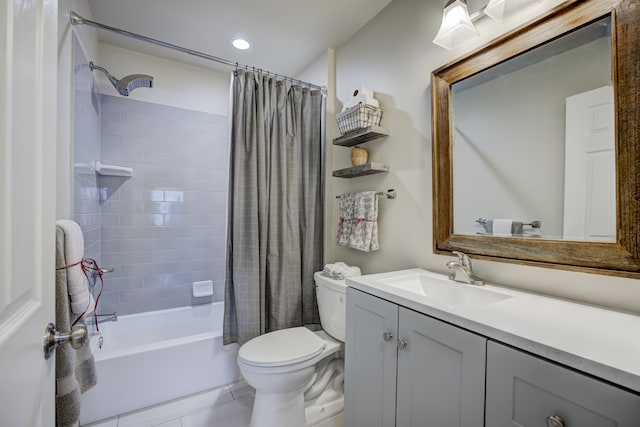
(524, 390)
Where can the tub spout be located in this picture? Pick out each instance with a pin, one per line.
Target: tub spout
(102, 318)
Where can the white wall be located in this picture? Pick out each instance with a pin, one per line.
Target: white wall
(175, 84)
(393, 55)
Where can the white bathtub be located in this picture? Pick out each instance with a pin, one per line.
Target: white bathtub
(152, 357)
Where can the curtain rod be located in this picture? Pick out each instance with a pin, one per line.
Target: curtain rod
(79, 20)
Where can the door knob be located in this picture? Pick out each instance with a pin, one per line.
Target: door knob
(402, 344)
(387, 336)
(555, 421)
(52, 338)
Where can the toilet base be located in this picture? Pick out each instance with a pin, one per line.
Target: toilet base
(278, 410)
(323, 408)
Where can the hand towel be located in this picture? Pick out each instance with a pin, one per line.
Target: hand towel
(78, 283)
(75, 369)
(502, 227)
(346, 216)
(340, 271)
(364, 233)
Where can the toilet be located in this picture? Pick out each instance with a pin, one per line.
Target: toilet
(298, 374)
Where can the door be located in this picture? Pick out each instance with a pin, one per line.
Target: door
(370, 361)
(28, 55)
(441, 373)
(590, 180)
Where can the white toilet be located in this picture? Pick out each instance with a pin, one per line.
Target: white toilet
(297, 374)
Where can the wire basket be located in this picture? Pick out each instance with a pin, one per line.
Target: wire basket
(357, 117)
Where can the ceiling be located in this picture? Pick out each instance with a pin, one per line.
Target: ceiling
(286, 35)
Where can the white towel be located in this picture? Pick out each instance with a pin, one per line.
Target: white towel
(78, 284)
(75, 370)
(340, 270)
(502, 227)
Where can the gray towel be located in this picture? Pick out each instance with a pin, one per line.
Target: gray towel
(75, 369)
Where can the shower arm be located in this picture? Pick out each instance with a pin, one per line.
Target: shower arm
(112, 79)
(93, 66)
(79, 20)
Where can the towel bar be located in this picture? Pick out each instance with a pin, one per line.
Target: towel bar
(534, 223)
(391, 194)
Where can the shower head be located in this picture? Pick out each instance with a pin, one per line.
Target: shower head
(127, 83)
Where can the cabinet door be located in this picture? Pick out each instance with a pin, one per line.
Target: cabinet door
(523, 390)
(441, 373)
(370, 361)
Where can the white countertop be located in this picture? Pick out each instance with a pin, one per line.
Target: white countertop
(597, 341)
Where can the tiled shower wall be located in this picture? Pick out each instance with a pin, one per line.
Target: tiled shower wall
(164, 227)
(86, 148)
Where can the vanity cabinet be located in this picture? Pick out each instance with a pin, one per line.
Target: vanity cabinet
(526, 391)
(407, 369)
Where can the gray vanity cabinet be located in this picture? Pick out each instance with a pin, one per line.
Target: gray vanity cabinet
(370, 361)
(407, 369)
(526, 391)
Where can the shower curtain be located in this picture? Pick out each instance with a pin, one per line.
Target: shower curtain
(275, 218)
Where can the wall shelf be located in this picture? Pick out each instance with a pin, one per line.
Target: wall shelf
(361, 136)
(111, 170)
(362, 170)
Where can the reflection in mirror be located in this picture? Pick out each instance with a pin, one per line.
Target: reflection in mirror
(534, 142)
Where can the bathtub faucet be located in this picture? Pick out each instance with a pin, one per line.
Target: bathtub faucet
(108, 317)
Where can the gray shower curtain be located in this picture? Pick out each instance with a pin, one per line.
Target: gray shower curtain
(274, 233)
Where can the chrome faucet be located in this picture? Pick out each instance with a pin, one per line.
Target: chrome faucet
(101, 318)
(461, 270)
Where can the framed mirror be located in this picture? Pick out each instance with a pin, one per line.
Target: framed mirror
(510, 181)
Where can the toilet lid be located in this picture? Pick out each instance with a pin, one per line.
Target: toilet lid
(284, 347)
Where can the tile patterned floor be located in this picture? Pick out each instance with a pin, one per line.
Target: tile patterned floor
(228, 406)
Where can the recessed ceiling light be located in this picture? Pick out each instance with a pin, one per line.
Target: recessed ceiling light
(241, 44)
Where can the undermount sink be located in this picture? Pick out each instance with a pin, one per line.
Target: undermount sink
(445, 291)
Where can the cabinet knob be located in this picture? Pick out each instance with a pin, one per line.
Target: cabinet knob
(387, 336)
(402, 344)
(555, 421)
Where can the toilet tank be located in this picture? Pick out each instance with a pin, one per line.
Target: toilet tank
(331, 294)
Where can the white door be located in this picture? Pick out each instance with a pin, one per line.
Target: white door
(28, 64)
(590, 181)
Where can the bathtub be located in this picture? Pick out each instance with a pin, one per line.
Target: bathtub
(152, 357)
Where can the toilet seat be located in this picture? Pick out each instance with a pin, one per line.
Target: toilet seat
(282, 348)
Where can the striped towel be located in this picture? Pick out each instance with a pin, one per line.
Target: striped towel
(75, 369)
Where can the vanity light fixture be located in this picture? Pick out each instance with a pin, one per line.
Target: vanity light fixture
(457, 25)
(501, 10)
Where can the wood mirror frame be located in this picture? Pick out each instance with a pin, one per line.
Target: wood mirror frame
(621, 258)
